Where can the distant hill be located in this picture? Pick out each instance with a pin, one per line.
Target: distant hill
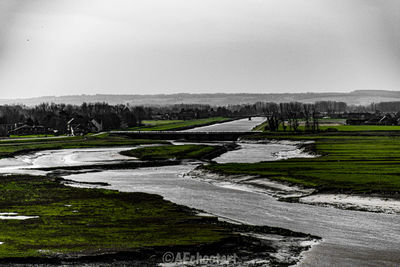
(356, 97)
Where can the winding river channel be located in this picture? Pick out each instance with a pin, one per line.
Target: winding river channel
(350, 238)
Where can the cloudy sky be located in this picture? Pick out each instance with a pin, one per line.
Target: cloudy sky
(64, 47)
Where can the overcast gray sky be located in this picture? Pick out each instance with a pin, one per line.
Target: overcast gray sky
(63, 47)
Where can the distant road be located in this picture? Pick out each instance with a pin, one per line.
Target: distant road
(243, 125)
(188, 136)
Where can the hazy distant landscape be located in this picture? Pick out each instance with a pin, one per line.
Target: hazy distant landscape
(357, 97)
(240, 133)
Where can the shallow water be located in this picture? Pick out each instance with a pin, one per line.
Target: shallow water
(262, 152)
(27, 164)
(350, 238)
(14, 216)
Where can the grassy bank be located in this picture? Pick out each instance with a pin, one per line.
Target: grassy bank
(353, 163)
(12, 147)
(78, 226)
(175, 125)
(330, 125)
(32, 136)
(175, 152)
(357, 128)
(159, 122)
(72, 220)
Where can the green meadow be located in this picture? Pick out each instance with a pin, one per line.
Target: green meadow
(32, 136)
(357, 128)
(174, 125)
(159, 122)
(91, 221)
(23, 145)
(353, 163)
(336, 125)
(71, 220)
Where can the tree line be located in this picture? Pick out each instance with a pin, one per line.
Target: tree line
(279, 115)
(289, 114)
(56, 116)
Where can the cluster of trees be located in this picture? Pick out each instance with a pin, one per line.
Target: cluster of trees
(199, 111)
(384, 107)
(393, 106)
(291, 113)
(331, 107)
(187, 111)
(56, 116)
(285, 115)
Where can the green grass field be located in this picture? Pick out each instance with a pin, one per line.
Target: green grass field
(32, 136)
(92, 221)
(348, 163)
(173, 125)
(71, 222)
(341, 127)
(11, 147)
(171, 152)
(357, 128)
(160, 122)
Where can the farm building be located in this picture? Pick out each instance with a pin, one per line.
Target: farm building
(31, 130)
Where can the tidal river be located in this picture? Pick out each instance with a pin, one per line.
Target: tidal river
(350, 238)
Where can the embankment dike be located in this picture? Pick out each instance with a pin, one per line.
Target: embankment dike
(189, 136)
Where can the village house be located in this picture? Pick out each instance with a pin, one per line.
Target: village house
(373, 119)
(79, 126)
(31, 130)
(358, 118)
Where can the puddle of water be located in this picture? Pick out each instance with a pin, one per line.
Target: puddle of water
(14, 216)
(263, 152)
(17, 217)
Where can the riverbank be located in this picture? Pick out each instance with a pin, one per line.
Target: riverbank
(283, 191)
(349, 237)
(347, 164)
(359, 238)
(352, 171)
(70, 225)
(11, 148)
(290, 192)
(179, 152)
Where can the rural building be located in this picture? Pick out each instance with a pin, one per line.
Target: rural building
(31, 130)
(79, 126)
(373, 119)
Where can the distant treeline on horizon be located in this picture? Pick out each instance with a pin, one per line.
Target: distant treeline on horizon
(57, 116)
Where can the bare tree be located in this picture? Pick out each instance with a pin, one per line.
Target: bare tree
(314, 115)
(273, 116)
(307, 111)
(293, 112)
